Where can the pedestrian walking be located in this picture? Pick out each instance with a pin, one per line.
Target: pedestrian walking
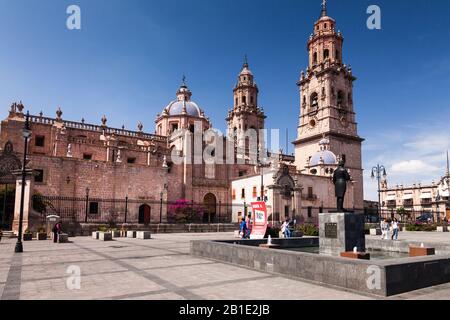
(383, 228)
(395, 230)
(243, 229)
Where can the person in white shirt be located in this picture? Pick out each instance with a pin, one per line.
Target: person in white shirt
(285, 229)
(395, 230)
(383, 228)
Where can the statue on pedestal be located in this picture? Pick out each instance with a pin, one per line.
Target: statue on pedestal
(340, 179)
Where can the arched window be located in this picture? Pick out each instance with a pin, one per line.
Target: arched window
(326, 54)
(314, 101)
(315, 58)
(237, 101)
(340, 99)
(338, 55)
(251, 99)
(244, 99)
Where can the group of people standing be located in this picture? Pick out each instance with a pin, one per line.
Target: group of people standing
(389, 228)
(245, 228)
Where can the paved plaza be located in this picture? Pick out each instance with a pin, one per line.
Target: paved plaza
(160, 268)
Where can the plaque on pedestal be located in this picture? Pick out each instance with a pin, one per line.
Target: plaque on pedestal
(341, 232)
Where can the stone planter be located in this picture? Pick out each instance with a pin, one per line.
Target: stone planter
(116, 234)
(131, 234)
(41, 236)
(95, 235)
(375, 232)
(27, 236)
(143, 235)
(63, 238)
(105, 236)
(442, 229)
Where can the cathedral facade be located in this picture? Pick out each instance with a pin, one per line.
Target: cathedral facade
(93, 165)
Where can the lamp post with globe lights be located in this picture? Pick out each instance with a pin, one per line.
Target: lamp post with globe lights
(379, 172)
(26, 133)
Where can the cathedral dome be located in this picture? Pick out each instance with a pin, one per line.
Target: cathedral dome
(176, 108)
(183, 105)
(328, 158)
(324, 156)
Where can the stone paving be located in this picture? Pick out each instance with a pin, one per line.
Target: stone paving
(160, 268)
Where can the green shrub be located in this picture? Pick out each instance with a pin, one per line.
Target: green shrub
(103, 228)
(309, 230)
(417, 226)
(273, 232)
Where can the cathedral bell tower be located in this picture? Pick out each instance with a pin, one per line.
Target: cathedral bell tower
(246, 114)
(326, 103)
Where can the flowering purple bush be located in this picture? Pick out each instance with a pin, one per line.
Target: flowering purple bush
(183, 211)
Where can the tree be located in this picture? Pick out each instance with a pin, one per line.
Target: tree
(402, 212)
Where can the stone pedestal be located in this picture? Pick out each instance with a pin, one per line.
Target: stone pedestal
(143, 235)
(29, 179)
(131, 234)
(341, 232)
(105, 236)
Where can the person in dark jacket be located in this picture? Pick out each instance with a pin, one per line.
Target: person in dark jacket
(57, 229)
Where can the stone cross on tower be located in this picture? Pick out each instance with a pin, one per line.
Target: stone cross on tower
(324, 8)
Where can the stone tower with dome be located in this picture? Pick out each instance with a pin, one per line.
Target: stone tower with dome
(327, 124)
(182, 113)
(246, 117)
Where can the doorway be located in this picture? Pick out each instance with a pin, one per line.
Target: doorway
(145, 214)
(210, 206)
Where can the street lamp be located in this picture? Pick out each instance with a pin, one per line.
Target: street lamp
(378, 172)
(26, 133)
(261, 166)
(87, 205)
(166, 170)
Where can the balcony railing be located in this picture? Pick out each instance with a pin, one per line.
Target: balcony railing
(309, 197)
(392, 203)
(408, 203)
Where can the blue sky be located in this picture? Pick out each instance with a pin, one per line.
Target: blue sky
(128, 59)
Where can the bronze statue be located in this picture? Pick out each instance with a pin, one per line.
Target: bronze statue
(340, 178)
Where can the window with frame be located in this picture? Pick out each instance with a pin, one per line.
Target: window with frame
(94, 207)
(39, 176)
(310, 192)
(87, 156)
(243, 193)
(255, 192)
(131, 160)
(39, 141)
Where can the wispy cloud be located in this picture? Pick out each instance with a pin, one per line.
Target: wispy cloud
(410, 153)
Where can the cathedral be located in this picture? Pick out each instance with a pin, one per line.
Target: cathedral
(89, 173)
